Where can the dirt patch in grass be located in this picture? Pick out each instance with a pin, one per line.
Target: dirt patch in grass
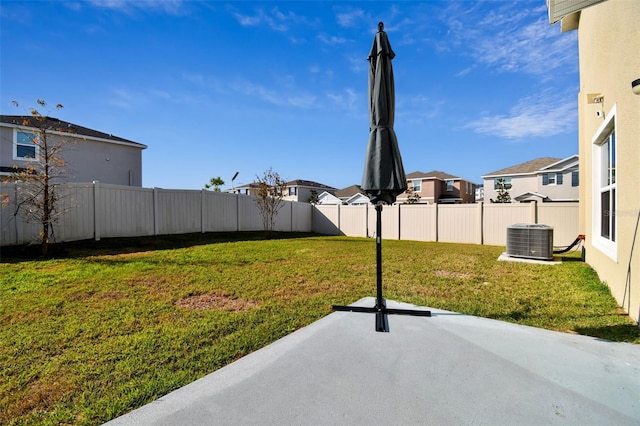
(452, 274)
(215, 302)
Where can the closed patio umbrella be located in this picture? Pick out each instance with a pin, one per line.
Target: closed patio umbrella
(383, 178)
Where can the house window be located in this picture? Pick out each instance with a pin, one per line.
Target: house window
(417, 185)
(506, 181)
(25, 147)
(575, 178)
(552, 179)
(604, 197)
(449, 185)
(607, 183)
(292, 190)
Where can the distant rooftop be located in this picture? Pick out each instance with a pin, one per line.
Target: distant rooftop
(434, 174)
(526, 167)
(309, 184)
(57, 125)
(349, 191)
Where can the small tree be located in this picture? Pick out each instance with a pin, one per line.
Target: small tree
(412, 196)
(269, 197)
(39, 195)
(214, 184)
(503, 191)
(313, 199)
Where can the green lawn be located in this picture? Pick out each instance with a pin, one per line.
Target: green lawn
(106, 327)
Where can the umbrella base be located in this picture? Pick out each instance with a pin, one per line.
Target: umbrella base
(381, 311)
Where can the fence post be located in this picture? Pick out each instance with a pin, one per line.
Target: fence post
(202, 209)
(237, 212)
(480, 223)
(366, 220)
(533, 212)
(18, 223)
(156, 221)
(399, 222)
(96, 210)
(436, 222)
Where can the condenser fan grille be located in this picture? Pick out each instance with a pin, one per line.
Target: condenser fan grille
(531, 241)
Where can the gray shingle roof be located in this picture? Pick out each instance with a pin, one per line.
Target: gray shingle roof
(56, 125)
(309, 184)
(434, 174)
(526, 167)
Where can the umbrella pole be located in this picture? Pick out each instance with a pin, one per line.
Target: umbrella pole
(381, 317)
(380, 309)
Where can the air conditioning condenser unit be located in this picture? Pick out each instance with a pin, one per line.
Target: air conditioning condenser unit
(530, 241)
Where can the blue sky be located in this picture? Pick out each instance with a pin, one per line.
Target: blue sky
(215, 88)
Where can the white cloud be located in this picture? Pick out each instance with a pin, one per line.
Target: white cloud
(275, 19)
(351, 18)
(539, 116)
(173, 7)
(123, 99)
(347, 100)
(332, 40)
(508, 37)
(292, 98)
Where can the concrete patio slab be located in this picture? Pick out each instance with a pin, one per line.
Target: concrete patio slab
(446, 369)
(504, 257)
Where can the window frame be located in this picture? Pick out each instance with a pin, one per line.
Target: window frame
(604, 182)
(507, 183)
(16, 143)
(575, 178)
(449, 183)
(418, 187)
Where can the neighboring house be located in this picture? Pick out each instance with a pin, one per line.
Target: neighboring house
(543, 179)
(479, 193)
(89, 155)
(439, 187)
(609, 139)
(302, 190)
(246, 189)
(296, 190)
(351, 195)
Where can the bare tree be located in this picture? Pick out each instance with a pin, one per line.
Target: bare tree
(269, 197)
(39, 196)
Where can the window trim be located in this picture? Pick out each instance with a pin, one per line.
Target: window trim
(507, 183)
(15, 145)
(609, 247)
(418, 186)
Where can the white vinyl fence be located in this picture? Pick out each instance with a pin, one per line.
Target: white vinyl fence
(96, 210)
(452, 223)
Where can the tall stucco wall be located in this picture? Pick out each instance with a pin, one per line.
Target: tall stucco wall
(609, 49)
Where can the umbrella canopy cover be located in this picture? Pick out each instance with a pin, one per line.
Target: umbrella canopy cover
(383, 178)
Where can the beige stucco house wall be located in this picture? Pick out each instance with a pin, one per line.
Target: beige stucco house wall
(609, 53)
(542, 179)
